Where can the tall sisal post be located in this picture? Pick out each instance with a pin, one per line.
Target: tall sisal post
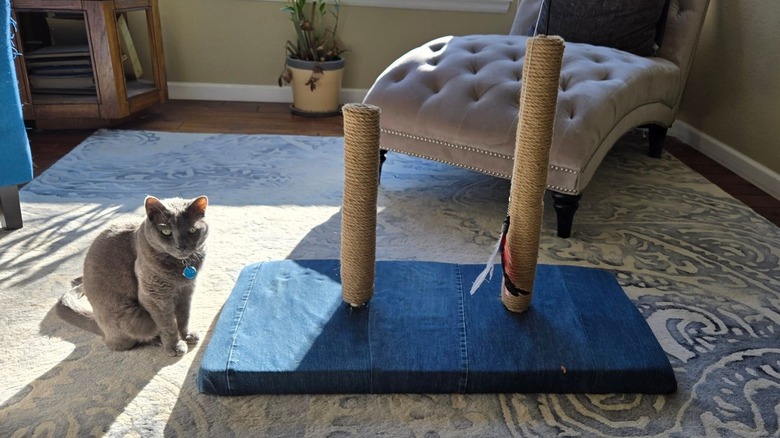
(538, 100)
(358, 212)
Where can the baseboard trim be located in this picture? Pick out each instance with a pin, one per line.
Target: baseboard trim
(245, 93)
(749, 169)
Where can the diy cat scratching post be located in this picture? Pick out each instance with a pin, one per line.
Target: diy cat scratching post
(538, 96)
(358, 212)
(413, 326)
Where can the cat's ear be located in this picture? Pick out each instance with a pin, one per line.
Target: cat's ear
(198, 206)
(153, 206)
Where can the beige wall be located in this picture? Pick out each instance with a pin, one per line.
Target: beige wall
(733, 92)
(242, 41)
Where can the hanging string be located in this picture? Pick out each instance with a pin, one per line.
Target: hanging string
(487, 273)
(539, 18)
(549, 14)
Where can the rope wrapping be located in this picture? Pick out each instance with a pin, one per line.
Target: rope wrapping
(358, 212)
(538, 101)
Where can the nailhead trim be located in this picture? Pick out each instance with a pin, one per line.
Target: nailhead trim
(563, 169)
(464, 166)
(561, 189)
(444, 143)
(469, 149)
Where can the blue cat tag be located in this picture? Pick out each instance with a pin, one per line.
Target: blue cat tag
(190, 272)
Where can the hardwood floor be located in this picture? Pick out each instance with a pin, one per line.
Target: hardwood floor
(275, 118)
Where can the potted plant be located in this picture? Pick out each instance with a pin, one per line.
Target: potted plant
(314, 64)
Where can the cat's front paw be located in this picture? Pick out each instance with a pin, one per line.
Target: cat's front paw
(191, 338)
(177, 350)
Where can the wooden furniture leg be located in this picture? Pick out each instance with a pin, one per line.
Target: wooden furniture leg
(565, 207)
(10, 209)
(382, 158)
(657, 136)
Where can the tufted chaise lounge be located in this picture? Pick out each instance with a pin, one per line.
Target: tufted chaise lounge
(15, 161)
(455, 100)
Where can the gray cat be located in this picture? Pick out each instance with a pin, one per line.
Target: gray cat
(139, 279)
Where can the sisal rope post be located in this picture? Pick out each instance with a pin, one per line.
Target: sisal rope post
(358, 212)
(538, 101)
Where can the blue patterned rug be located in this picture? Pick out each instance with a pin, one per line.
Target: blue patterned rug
(701, 267)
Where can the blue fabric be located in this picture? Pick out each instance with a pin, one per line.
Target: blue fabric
(285, 329)
(15, 159)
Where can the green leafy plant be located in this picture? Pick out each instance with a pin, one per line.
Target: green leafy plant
(316, 24)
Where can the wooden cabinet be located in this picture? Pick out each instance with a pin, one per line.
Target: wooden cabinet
(115, 97)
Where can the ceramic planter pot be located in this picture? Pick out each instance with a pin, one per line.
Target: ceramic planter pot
(324, 99)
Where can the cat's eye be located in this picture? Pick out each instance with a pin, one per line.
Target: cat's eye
(165, 232)
(192, 230)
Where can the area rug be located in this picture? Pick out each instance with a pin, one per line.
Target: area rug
(701, 268)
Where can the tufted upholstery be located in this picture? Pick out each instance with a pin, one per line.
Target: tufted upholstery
(455, 99)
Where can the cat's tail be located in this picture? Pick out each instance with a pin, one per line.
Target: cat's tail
(73, 310)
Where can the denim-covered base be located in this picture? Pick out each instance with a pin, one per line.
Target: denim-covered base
(286, 330)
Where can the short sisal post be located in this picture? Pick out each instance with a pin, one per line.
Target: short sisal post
(358, 212)
(538, 100)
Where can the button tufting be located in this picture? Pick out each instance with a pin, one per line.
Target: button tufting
(473, 67)
(436, 47)
(475, 95)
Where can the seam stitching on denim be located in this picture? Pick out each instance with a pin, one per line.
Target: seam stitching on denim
(464, 350)
(368, 335)
(239, 317)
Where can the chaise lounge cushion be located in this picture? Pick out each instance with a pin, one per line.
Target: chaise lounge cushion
(455, 99)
